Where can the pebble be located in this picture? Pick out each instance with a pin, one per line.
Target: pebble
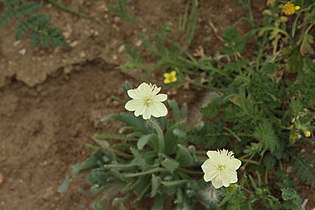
(16, 43)
(82, 54)
(22, 51)
(74, 44)
(121, 48)
(139, 43)
(66, 34)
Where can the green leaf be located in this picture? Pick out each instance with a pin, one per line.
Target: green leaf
(174, 183)
(158, 203)
(265, 134)
(292, 198)
(184, 112)
(64, 186)
(184, 157)
(179, 133)
(144, 140)
(127, 119)
(27, 8)
(306, 44)
(304, 168)
(114, 137)
(155, 183)
(102, 143)
(174, 106)
(170, 164)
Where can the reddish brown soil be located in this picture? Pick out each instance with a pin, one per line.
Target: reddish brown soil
(52, 99)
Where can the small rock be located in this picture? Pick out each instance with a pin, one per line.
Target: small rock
(66, 34)
(16, 43)
(68, 69)
(139, 43)
(82, 54)
(74, 44)
(121, 48)
(117, 19)
(22, 51)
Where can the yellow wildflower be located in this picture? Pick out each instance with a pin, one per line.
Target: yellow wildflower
(289, 8)
(170, 77)
(307, 133)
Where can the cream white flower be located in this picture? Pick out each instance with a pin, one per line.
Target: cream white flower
(220, 168)
(146, 101)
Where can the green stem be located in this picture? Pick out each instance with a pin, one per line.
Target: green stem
(143, 173)
(250, 11)
(160, 135)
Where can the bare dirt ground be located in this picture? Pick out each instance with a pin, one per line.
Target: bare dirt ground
(52, 99)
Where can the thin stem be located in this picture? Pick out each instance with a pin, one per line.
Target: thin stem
(249, 161)
(160, 135)
(154, 170)
(74, 12)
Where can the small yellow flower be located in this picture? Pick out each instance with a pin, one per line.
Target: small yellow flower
(289, 8)
(307, 133)
(170, 77)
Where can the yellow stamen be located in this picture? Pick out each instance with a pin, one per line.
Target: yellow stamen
(147, 101)
(221, 167)
(307, 133)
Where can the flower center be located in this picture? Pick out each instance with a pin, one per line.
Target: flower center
(221, 167)
(148, 101)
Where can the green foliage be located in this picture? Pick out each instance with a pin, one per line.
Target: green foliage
(267, 137)
(137, 163)
(291, 198)
(304, 168)
(233, 42)
(31, 23)
(261, 107)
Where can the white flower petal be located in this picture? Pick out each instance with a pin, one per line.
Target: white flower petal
(155, 89)
(221, 168)
(234, 163)
(143, 86)
(158, 109)
(217, 183)
(160, 97)
(132, 105)
(210, 175)
(212, 154)
(146, 102)
(140, 110)
(207, 166)
(133, 93)
(225, 179)
(146, 115)
(233, 177)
